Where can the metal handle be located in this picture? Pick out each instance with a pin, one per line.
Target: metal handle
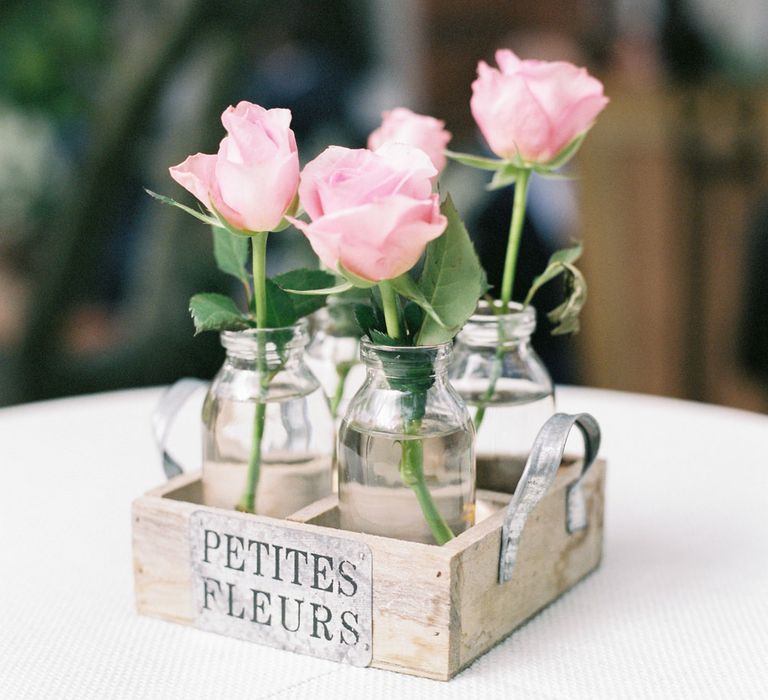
(164, 416)
(540, 469)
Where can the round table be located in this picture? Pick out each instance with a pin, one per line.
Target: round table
(678, 608)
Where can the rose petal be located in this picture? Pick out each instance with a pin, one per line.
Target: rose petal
(324, 241)
(196, 174)
(401, 125)
(259, 192)
(379, 240)
(507, 60)
(415, 166)
(534, 108)
(341, 178)
(526, 126)
(577, 119)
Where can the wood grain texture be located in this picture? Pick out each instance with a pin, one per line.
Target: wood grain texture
(435, 609)
(161, 563)
(412, 620)
(550, 561)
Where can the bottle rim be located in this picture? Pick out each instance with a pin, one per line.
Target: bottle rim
(366, 342)
(485, 313)
(396, 358)
(247, 340)
(487, 328)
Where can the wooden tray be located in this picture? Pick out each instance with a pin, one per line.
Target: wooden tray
(422, 609)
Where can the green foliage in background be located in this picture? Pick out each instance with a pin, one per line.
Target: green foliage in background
(52, 51)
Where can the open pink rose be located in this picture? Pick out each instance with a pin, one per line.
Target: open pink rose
(372, 212)
(533, 108)
(403, 126)
(253, 178)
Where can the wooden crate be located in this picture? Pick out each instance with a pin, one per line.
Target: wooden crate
(433, 609)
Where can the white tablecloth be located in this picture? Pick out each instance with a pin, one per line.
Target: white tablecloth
(679, 607)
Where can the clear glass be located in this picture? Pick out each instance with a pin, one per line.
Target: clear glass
(267, 366)
(497, 372)
(406, 448)
(333, 354)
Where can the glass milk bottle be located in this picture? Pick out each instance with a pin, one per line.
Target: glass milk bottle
(333, 354)
(265, 387)
(505, 384)
(406, 448)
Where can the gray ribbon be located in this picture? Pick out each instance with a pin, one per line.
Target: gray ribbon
(164, 416)
(540, 469)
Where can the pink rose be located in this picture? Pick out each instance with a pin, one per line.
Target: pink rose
(403, 126)
(372, 212)
(534, 108)
(253, 178)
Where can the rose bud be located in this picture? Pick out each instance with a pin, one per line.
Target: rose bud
(532, 110)
(401, 125)
(372, 213)
(253, 179)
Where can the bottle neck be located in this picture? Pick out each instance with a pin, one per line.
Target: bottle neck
(266, 348)
(405, 366)
(487, 327)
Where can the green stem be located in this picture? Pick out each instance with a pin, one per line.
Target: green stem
(259, 244)
(491, 388)
(515, 231)
(342, 371)
(247, 501)
(412, 474)
(391, 310)
(412, 457)
(507, 284)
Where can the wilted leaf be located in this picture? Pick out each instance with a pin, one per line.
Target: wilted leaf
(555, 267)
(566, 316)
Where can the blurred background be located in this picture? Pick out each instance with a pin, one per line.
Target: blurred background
(670, 195)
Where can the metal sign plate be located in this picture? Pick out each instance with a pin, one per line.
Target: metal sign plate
(284, 587)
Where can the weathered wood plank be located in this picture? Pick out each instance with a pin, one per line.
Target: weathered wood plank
(435, 609)
(550, 561)
(411, 598)
(161, 563)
